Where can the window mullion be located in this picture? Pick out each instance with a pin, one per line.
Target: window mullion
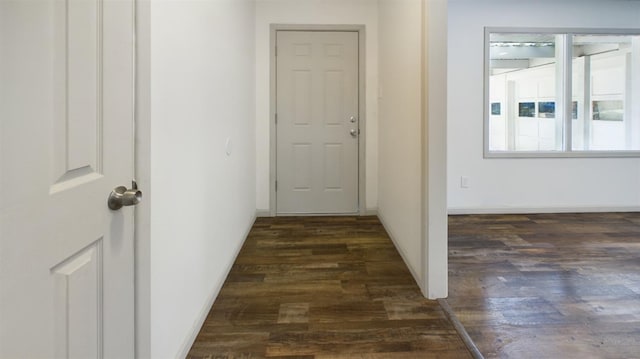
(568, 93)
(564, 45)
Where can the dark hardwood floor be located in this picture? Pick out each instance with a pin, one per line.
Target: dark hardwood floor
(547, 285)
(524, 286)
(323, 287)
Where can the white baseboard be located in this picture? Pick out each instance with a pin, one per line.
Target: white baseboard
(267, 213)
(371, 211)
(202, 316)
(415, 275)
(531, 210)
(263, 213)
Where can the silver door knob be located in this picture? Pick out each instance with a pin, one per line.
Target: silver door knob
(353, 133)
(121, 196)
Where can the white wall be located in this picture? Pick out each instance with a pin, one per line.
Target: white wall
(352, 12)
(400, 124)
(434, 148)
(203, 202)
(521, 185)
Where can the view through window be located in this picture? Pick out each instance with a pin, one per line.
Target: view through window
(562, 93)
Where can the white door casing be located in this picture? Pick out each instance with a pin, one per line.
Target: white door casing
(66, 140)
(317, 108)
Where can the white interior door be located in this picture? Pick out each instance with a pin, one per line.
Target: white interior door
(317, 122)
(66, 107)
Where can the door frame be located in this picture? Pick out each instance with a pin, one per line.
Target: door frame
(362, 123)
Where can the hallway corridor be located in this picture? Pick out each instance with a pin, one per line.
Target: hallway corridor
(323, 287)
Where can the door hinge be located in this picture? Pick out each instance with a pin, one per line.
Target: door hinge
(276, 186)
(276, 118)
(276, 51)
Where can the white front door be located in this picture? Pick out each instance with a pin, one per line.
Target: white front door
(66, 110)
(317, 122)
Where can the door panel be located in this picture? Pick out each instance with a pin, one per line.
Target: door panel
(316, 100)
(333, 165)
(77, 88)
(77, 304)
(66, 140)
(302, 171)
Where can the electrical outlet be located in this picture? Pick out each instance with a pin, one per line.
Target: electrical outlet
(464, 182)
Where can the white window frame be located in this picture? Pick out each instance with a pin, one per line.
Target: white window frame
(566, 95)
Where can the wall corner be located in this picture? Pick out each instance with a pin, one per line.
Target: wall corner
(434, 149)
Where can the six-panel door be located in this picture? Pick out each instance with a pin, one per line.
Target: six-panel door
(317, 122)
(66, 260)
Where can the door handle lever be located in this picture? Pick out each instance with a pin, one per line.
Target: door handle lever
(121, 196)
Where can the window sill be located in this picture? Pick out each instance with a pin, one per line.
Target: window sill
(558, 154)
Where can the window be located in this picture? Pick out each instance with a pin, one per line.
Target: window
(526, 109)
(562, 93)
(495, 108)
(547, 109)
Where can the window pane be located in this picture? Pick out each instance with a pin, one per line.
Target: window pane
(606, 91)
(547, 109)
(523, 80)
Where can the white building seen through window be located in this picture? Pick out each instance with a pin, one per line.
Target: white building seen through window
(562, 93)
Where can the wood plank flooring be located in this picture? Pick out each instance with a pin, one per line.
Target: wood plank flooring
(548, 285)
(323, 287)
